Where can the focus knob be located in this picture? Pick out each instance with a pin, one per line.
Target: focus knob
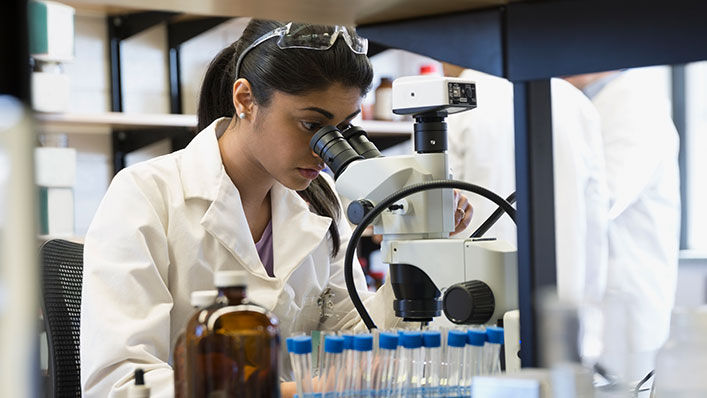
(358, 209)
(468, 303)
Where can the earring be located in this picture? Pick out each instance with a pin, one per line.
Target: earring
(241, 115)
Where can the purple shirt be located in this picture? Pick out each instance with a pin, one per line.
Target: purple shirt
(264, 247)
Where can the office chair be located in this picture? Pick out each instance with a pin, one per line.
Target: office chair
(62, 269)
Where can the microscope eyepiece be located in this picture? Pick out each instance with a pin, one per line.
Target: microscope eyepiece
(335, 151)
(358, 139)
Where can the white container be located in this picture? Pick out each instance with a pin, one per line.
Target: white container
(681, 364)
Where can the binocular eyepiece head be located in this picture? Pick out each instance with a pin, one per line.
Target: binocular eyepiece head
(339, 149)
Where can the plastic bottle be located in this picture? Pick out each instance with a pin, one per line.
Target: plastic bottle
(682, 361)
(432, 342)
(301, 352)
(456, 340)
(200, 299)
(383, 107)
(363, 361)
(348, 363)
(473, 356)
(494, 336)
(386, 375)
(332, 381)
(410, 365)
(236, 355)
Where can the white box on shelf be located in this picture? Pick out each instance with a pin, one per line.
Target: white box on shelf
(55, 167)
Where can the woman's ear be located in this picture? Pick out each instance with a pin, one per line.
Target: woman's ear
(243, 100)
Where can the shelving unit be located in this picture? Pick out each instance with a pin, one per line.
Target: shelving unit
(101, 123)
(526, 42)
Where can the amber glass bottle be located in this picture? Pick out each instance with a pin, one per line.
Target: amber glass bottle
(200, 300)
(236, 355)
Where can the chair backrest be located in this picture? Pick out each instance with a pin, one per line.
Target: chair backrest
(62, 271)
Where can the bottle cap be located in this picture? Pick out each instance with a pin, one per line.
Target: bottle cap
(476, 337)
(333, 344)
(348, 341)
(428, 69)
(363, 342)
(230, 278)
(301, 345)
(456, 338)
(431, 339)
(203, 298)
(411, 340)
(494, 335)
(288, 342)
(388, 341)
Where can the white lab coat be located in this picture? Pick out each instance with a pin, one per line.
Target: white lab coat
(481, 148)
(162, 230)
(641, 148)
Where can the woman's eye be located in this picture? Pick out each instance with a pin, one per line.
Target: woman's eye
(311, 126)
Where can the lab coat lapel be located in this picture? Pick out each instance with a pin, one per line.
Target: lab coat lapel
(296, 230)
(225, 220)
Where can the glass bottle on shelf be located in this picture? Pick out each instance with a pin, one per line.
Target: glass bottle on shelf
(383, 107)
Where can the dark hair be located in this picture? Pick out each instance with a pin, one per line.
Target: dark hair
(293, 71)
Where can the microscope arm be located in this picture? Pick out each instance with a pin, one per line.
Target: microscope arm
(383, 205)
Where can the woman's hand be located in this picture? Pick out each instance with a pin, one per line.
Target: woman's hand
(288, 389)
(463, 212)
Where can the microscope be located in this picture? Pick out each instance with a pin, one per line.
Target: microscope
(409, 200)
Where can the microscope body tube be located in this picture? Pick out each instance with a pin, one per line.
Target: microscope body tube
(302, 353)
(432, 341)
(363, 362)
(456, 341)
(473, 357)
(332, 380)
(492, 350)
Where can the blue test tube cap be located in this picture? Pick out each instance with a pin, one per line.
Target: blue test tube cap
(363, 342)
(388, 341)
(494, 334)
(411, 340)
(456, 338)
(431, 339)
(301, 345)
(333, 344)
(288, 342)
(476, 337)
(348, 341)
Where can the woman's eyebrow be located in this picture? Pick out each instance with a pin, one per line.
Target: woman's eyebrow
(328, 114)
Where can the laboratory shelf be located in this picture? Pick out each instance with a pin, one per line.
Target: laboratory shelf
(102, 123)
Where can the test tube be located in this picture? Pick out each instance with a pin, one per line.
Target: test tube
(385, 376)
(473, 357)
(293, 363)
(363, 361)
(432, 341)
(410, 364)
(348, 364)
(494, 336)
(456, 340)
(332, 380)
(302, 352)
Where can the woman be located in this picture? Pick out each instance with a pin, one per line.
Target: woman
(246, 194)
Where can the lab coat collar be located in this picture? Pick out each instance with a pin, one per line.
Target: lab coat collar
(297, 231)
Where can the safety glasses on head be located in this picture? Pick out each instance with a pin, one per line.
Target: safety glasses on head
(311, 37)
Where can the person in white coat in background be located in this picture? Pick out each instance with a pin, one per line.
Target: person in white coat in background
(641, 149)
(246, 194)
(481, 148)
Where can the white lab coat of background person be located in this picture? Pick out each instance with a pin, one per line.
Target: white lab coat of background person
(641, 147)
(481, 148)
(162, 230)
